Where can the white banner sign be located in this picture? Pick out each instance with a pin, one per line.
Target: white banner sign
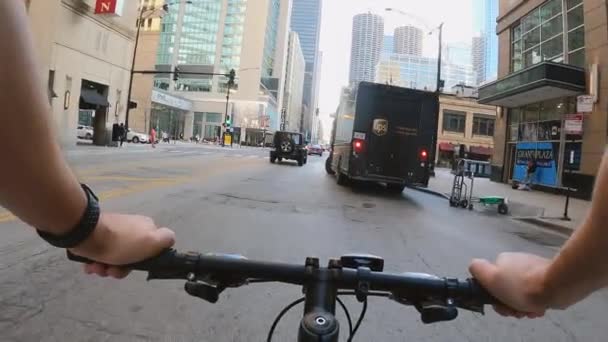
(573, 124)
(584, 104)
(171, 101)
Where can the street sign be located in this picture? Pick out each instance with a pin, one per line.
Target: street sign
(109, 7)
(573, 124)
(584, 103)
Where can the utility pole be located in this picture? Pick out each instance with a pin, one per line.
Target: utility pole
(439, 82)
(132, 74)
(140, 20)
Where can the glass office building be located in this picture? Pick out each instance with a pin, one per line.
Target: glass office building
(484, 23)
(195, 41)
(418, 72)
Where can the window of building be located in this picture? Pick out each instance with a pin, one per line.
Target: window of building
(454, 121)
(213, 117)
(540, 35)
(483, 125)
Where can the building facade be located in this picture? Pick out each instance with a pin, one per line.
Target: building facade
(458, 53)
(388, 44)
(418, 72)
(306, 22)
(213, 37)
(294, 84)
(367, 40)
(86, 61)
(484, 24)
(550, 52)
(464, 123)
(408, 40)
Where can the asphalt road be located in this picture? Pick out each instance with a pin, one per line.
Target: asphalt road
(235, 201)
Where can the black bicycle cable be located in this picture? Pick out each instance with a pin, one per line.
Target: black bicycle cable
(280, 315)
(359, 320)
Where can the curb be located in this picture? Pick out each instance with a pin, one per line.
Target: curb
(558, 228)
(430, 192)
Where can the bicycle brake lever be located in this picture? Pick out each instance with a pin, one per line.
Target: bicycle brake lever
(433, 313)
(203, 291)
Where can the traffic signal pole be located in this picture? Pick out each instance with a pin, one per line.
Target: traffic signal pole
(227, 119)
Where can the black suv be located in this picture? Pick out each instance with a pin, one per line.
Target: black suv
(288, 145)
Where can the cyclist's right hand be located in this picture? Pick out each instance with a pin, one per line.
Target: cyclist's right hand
(122, 240)
(516, 279)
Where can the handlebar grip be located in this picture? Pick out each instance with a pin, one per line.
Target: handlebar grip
(163, 260)
(480, 294)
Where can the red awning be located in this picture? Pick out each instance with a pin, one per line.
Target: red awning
(446, 147)
(484, 151)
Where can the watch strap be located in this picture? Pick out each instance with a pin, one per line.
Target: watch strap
(83, 229)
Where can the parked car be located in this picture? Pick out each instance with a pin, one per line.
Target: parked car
(136, 137)
(288, 145)
(85, 132)
(315, 149)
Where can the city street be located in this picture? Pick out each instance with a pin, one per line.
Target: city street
(235, 201)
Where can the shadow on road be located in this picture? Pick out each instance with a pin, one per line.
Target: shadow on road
(380, 191)
(286, 163)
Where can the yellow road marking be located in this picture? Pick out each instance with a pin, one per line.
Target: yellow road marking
(153, 183)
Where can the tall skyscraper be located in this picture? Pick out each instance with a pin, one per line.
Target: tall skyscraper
(215, 36)
(484, 22)
(408, 40)
(367, 38)
(294, 84)
(478, 58)
(306, 22)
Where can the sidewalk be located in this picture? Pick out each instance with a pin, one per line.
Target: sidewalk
(535, 207)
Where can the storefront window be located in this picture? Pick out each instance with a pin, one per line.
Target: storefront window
(539, 36)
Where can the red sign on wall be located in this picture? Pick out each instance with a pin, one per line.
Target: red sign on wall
(105, 7)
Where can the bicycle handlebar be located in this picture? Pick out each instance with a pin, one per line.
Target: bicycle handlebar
(225, 271)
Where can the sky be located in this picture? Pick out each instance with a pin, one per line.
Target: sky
(336, 30)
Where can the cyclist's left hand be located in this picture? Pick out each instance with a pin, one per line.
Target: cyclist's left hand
(122, 240)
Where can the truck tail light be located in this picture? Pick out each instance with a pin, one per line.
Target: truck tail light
(358, 146)
(424, 155)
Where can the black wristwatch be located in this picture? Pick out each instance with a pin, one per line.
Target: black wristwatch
(83, 229)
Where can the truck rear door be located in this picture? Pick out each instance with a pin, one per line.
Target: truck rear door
(393, 134)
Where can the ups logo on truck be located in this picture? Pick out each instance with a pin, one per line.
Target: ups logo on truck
(380, 127)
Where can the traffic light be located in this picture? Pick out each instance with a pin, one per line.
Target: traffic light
(228, 121)
(176, 74)
(231, 75)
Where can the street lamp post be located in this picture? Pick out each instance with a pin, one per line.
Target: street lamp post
(440, 28)
(140, 19)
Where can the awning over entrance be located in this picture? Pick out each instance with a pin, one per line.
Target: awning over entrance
(540, 82)
(91, 96)
(480, 150)
(446, 147)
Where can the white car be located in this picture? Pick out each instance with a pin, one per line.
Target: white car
(85, 132)
(136, 137)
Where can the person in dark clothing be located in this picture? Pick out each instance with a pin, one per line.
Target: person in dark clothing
(121, 133)
(530, 170)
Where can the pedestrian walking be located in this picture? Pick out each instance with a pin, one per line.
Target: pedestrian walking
(121, 133)
(165, 137)
(153, 137)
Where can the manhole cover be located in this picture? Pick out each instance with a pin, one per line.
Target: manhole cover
(369, 205)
